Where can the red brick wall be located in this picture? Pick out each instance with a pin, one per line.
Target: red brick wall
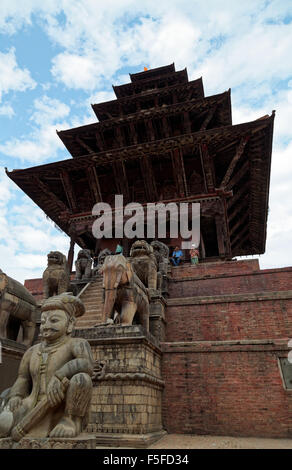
(193, 283)
(237, 393)
(219, 267)
(229, 321)
(225, 330)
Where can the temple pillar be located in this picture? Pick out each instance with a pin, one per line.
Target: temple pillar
(71, 254)
(220, 235)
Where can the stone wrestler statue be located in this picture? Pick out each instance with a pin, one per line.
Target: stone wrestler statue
(52, 393)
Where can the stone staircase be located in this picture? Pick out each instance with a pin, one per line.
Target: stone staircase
(92, 297)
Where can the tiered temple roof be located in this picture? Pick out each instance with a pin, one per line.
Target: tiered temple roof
(163, 140)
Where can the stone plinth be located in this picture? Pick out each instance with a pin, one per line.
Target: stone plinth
(11, 353)
(157, 317)
(84, 441)
(126, 402)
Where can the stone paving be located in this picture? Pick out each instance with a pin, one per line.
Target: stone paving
(183, 441)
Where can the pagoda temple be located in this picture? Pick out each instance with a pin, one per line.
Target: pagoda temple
(215, 359)
(162, 140)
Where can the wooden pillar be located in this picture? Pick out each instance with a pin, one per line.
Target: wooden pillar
(71, 254)
(220, 236)
(202, 247)
(126, 249)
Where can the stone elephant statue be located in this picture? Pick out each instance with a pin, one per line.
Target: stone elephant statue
(17, 308)
(123, 293)
(83, 265)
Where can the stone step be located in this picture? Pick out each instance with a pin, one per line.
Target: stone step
(92, 292)
(94, 312)
(91, 319)
(88, 295)
(93, 306)
(88, 324)
(92, 297)
(92, 303)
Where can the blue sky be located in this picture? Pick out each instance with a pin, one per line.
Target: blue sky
(58, 57)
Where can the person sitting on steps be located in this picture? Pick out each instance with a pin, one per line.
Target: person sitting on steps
(177, 256)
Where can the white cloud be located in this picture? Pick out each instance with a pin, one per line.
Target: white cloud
(42, 143)
(259, 54)
(7, 110)
(26, 236)
(77, 71)
(13, 78)
(14, 15)
(49, 110)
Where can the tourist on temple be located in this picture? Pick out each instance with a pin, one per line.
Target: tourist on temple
(119, 249)
(194, 254)
(177, 256)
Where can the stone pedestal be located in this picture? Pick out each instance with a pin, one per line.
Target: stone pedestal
(157, 322)
(10, 357)
(126, 402)
(84, 441)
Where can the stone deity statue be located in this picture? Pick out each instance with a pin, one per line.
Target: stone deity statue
(52, 393)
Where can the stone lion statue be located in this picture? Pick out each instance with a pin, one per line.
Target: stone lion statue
(83, 265)
(144, 263)
(56, 278)
(161, 252)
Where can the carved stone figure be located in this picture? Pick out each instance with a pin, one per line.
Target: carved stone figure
(102, 255)
(83, 265)
(144, 263)
(17, 308)
(56, 278)
(52, 392)
(161, 253)
(124, 292)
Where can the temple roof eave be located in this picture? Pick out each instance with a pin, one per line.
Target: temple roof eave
(260, 132)
(206, 136)
(71, 136)
(196, 84)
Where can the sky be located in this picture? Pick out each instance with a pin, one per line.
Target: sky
(59, 56)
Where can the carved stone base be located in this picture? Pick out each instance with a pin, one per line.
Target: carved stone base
(128, 440)
(126, 402)
(84, 441)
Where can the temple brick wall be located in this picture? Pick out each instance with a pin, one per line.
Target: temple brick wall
(227, 325)
(243, 266)
(230, 319)
(235, 391)
(275, 280)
